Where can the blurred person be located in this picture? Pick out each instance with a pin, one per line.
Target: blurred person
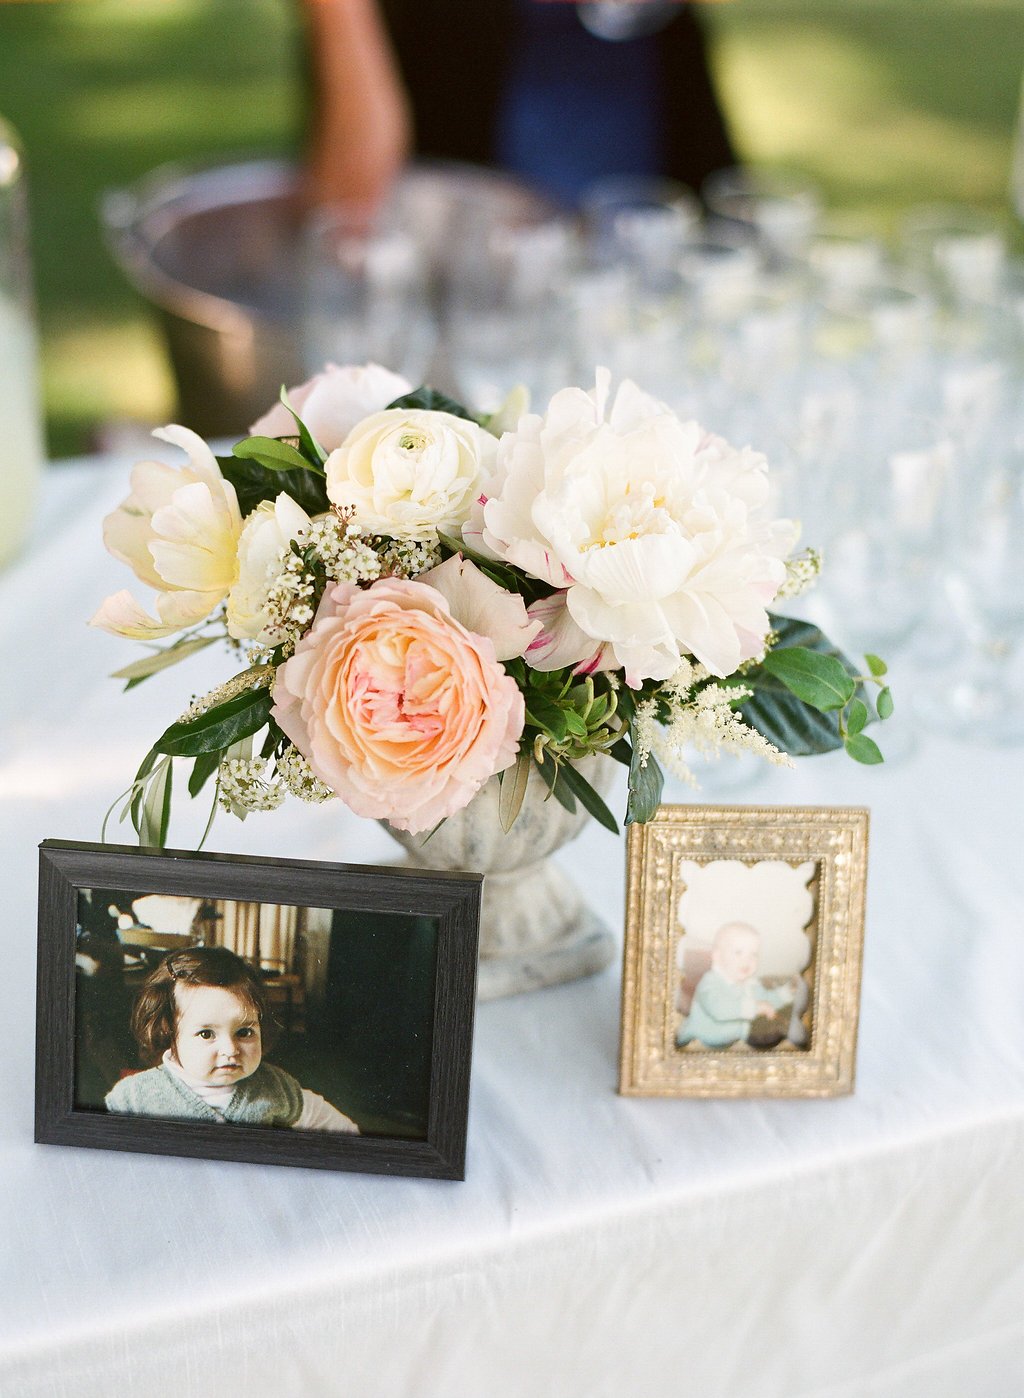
(558, 93)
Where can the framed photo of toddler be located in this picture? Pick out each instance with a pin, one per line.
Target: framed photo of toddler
(744, 932)
(279, 1011)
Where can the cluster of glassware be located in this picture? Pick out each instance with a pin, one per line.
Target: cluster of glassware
(882, 382)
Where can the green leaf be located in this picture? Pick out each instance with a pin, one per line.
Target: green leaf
(777, 713)
(877, 667)
(274, 454)
(818, 680)
(255, 483)
(203, 769)
(551, 771)
(646, 784)
(513, 791)
(547, 716)
(864, 749)
(857, 717)
(588, 798)
(434, 402)
(789, 723)
(884, 703)
(310, 446)
(156, 808)
(140, 670)
(139, 787)
(218, 727)
(574, 723)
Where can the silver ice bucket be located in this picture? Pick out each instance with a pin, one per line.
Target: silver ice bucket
(218, 252)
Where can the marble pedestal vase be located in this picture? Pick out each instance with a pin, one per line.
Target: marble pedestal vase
(535, 928)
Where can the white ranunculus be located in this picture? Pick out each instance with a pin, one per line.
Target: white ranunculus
(178, 531)
(654, 531)
(332, 402)
(410, 472)
(267, 531)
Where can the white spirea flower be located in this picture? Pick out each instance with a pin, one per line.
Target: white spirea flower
(409, 472)
(300, 779)
(704, 723)
(332, 402)
(266, 534)
(178, 531)
(245, 786)
(654, 531)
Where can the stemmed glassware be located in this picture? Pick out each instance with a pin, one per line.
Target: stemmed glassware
(981, 697)
(880, 384)
(506, 317)
(366, 294)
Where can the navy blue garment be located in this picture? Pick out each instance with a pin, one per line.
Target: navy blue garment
(522, 85)
(576, 107)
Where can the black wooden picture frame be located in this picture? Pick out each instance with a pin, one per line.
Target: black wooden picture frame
(66, 868)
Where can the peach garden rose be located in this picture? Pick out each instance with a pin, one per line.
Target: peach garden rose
(399, 709)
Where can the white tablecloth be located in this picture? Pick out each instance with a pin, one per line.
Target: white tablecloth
(871, 1245)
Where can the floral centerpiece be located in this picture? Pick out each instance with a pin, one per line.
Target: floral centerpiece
(423, 599)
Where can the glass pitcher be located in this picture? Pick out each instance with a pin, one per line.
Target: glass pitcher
(21, 437)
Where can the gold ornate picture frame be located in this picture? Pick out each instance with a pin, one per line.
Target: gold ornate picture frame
(744, 935)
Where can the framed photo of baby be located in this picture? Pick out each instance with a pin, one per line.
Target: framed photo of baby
(744, 931)
(279, 1011)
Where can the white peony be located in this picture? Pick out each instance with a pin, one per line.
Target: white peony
(266, 532)
(178, 531)
(652, 529)
(410, 472)
(332, 402)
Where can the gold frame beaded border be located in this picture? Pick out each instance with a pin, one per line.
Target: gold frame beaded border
(836, 838)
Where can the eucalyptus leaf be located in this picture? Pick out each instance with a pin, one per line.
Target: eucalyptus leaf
(218, 727)
(513, 791)
(864, 749)
(877, 667)
(819, 680)
(884, 703)
(432, 401)
(857, 717)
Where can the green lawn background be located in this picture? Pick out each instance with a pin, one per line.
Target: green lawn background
(885, 102)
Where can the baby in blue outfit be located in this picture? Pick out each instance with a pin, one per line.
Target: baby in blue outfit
(729, 997)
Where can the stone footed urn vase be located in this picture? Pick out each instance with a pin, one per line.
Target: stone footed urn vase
(535, 928)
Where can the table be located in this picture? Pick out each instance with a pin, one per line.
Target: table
(870, 1245)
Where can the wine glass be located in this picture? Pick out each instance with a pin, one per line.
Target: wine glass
(782, 210)
(366, 294)
(981, 697)
(506, 321)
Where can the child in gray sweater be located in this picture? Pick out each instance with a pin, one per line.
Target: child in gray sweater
(200, 1020)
